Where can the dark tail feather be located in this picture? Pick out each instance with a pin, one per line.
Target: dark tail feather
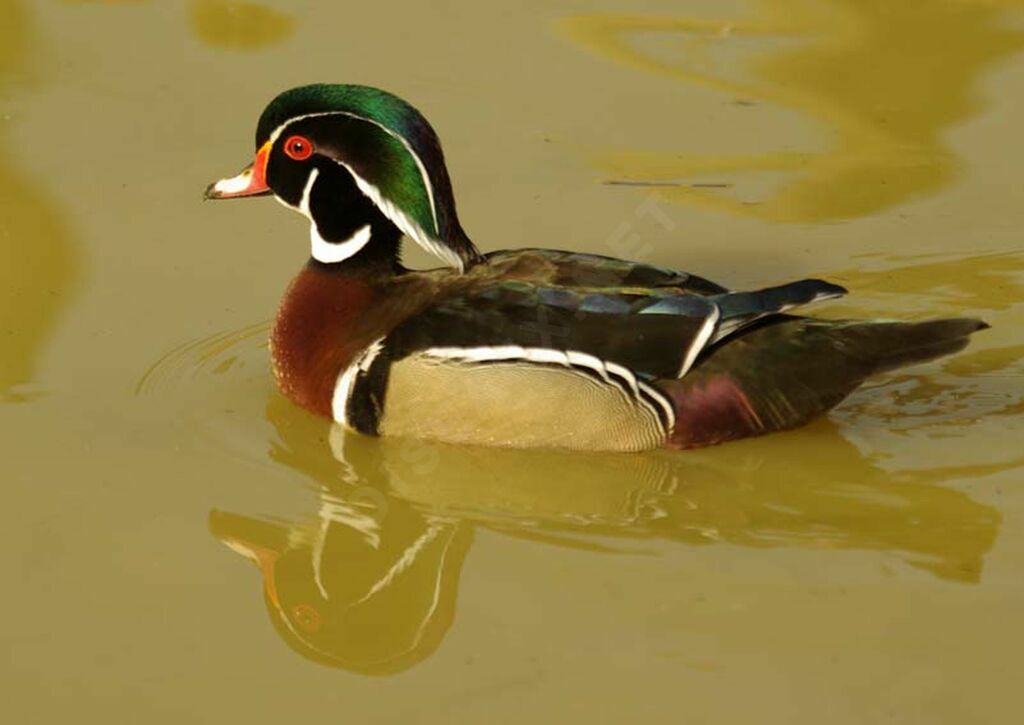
(740, 309)
(783, 374)
(905, 343)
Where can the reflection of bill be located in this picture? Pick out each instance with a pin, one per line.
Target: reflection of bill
(885, 79)
(370, 584)
(351, 593)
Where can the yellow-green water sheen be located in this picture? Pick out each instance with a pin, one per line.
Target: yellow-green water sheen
(182, 545)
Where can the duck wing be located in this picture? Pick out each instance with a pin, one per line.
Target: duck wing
(654, 332)
(517, 363)
(578, 269)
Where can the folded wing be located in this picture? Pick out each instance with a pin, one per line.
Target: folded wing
(523, 364)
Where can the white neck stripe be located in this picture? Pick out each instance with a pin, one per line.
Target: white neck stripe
(638, 390)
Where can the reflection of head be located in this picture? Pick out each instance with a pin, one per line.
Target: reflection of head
(350, 593)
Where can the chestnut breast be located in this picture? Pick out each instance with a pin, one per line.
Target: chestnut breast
(327, 317)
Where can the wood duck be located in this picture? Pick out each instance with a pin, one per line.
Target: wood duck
(527, 347)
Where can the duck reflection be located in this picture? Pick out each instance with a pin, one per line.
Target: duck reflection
(885, 79)
(370, 583)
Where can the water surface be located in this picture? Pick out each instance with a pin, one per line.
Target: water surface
(182, 544)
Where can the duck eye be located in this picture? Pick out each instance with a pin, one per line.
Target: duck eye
(298, 148)
(307, 617)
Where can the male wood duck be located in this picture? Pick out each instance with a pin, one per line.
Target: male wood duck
(528, 347)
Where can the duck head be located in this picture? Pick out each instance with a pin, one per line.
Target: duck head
(349, 592)
(363, 166)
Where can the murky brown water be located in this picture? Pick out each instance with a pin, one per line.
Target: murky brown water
(865, 569)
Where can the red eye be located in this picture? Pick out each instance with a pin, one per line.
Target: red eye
(298, 148)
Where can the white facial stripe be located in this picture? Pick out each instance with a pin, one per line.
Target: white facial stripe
(410, 228)
(235, 184)
(703, 335)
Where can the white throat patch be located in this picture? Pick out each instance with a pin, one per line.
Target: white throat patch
(321, 249)
(331, 252)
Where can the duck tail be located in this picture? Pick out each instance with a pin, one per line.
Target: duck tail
(784, 373)
(897, 344)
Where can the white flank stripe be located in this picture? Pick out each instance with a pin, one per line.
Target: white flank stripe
(347, 378)
(478, 354)
(626, 374)
(703, 335)
(549, 357)
(583, 360)
(637, 386)
(663, 402)
(638, 391)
